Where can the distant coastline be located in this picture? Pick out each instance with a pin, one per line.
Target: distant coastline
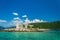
(37, 27)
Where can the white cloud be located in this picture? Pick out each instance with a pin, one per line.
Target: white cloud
(3, 21)
(17, 18)
(27, 20)
(8, 24)
(24, 16)
(37, 20)
(34, 21)
(16, 14)
(13, 22)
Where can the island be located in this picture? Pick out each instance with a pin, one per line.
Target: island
(33, 27)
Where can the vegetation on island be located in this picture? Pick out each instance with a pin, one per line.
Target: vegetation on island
(47, 25)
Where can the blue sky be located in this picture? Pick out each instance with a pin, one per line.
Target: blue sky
(48, 10)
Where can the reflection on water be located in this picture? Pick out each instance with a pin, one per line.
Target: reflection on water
(50, 35)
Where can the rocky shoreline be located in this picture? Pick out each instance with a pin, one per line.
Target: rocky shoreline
(25, 30)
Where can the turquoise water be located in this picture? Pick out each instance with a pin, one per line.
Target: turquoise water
(50, 35)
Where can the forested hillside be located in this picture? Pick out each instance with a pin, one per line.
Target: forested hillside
(51, 25)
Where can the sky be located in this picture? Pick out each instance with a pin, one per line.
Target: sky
(48, 10)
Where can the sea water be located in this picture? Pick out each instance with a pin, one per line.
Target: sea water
(49, 35)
